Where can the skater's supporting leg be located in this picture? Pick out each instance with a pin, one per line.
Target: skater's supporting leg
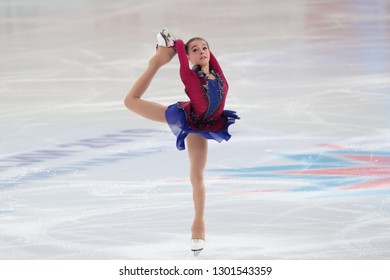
(197, 152)
(133, 101)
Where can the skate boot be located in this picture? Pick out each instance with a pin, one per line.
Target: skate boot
(165, 38)
(197, 246)
(198, 236)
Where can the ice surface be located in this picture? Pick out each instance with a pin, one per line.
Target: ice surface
(306, 174)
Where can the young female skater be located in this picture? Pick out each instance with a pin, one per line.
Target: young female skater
(201, 118)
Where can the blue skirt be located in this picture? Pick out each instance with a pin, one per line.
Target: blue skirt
(176, 119)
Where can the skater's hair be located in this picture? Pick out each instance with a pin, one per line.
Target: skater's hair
(194, 39)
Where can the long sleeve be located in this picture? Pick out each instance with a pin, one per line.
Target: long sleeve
(214, 63)
(185, 70)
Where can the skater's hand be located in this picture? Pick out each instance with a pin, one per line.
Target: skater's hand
(164, 54)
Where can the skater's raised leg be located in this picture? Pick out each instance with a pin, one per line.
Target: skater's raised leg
(133, 101)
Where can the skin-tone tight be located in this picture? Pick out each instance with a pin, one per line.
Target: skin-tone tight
(196, 144)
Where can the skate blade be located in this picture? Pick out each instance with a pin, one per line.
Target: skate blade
(197, 252)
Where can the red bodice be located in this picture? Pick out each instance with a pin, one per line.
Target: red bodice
(195, 82)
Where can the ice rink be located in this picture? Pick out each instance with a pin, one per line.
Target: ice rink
(306, 174)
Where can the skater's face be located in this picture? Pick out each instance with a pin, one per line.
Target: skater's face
(199, 53)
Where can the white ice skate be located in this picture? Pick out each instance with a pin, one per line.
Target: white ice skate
(197, 246)
(165, 38)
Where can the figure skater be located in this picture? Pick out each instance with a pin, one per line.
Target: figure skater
(202, 117)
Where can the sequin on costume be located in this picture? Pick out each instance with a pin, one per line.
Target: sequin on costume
(204, 114)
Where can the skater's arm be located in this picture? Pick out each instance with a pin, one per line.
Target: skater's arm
(185, 70)
(214, 63)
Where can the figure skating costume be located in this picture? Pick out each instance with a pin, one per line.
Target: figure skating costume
(204, 114)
